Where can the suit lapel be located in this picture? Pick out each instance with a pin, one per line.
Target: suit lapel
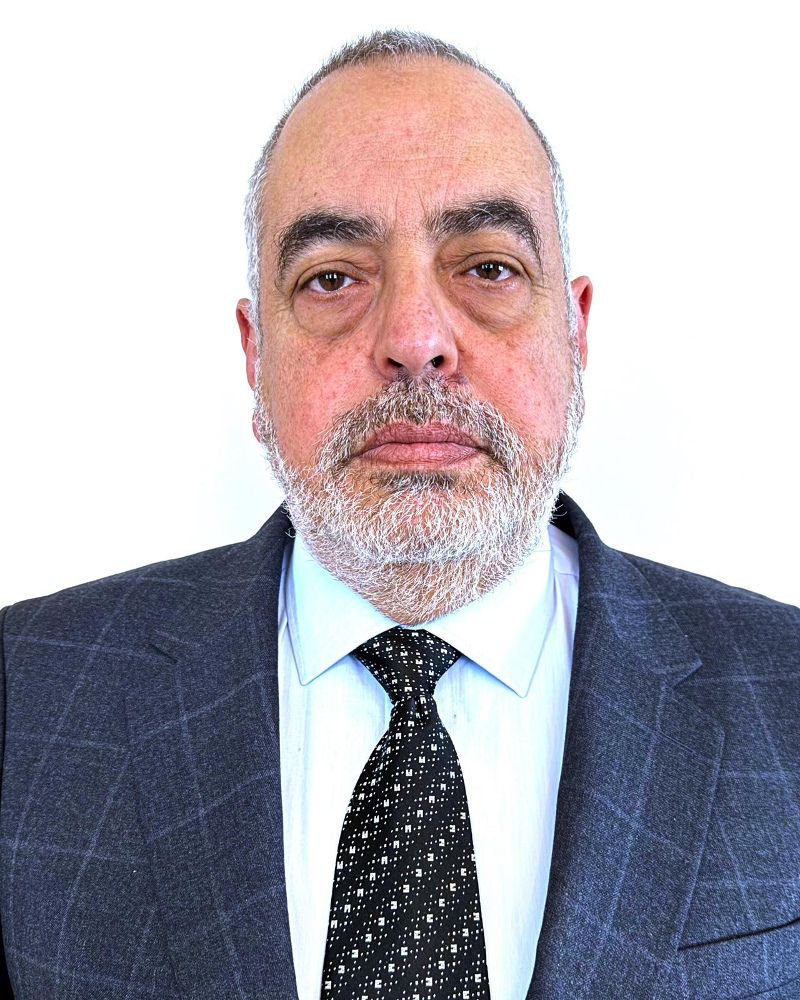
(204, 729)
(640, 768)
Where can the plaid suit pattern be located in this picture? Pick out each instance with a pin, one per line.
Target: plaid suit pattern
(141, 827)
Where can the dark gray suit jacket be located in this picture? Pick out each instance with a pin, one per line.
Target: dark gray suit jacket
(140, 821)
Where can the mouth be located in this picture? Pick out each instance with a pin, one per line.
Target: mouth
(409, 446)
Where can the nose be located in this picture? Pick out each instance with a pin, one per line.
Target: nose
(415, 329)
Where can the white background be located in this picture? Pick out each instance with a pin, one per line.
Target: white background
(129, 131)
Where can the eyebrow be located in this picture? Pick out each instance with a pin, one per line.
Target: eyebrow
(318, 228)
(492, 213)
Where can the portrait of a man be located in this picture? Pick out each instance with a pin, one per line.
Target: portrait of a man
(424, 736)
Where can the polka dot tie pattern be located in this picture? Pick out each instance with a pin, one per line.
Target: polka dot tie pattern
(405, 920)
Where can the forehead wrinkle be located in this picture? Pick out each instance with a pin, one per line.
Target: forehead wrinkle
(313, 229)
(487, 213)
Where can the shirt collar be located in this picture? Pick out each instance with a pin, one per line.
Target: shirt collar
(503, 631)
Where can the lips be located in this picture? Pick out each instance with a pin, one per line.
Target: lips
(410, 444)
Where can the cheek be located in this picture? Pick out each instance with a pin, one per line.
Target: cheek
(531, 388)
(306, 394)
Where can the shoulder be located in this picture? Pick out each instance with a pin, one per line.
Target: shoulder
(123, 609)
(723, 619)
(723, 624)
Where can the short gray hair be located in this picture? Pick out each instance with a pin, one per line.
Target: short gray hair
(389, 45)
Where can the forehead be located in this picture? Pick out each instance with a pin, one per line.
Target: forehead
(399, 139)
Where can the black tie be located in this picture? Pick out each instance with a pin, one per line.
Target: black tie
(405, 919)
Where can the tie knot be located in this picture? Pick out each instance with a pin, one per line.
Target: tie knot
(407, 662)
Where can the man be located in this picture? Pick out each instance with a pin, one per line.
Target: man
(612, 755)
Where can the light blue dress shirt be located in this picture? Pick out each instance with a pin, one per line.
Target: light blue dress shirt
(504, 703)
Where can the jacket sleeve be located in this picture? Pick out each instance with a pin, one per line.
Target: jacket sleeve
(5, 985)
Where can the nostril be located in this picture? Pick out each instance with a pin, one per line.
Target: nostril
(438, 360)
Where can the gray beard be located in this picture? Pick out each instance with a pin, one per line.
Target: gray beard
(418, 545)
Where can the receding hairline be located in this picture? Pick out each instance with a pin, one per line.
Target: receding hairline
(397, 47)
(407, 61)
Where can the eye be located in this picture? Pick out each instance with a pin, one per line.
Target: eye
(493, 270)
(329, 281)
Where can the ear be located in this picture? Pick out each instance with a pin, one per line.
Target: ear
(582, 295)
(249, 336)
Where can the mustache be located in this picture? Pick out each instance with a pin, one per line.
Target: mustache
(420, 400)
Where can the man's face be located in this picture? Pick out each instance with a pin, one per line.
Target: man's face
(410, 239)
